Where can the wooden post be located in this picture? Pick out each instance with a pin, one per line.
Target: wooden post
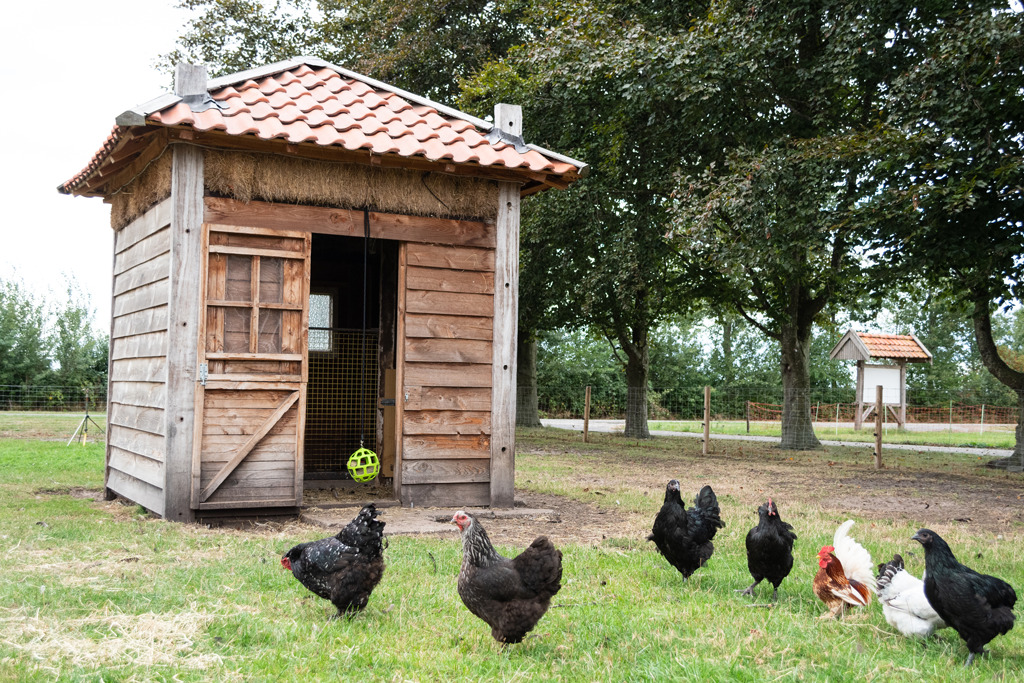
(903, 394)
(183, 328)
(982, 430)
(748, 417)
(878, 427)
(403, 258)
(586, 416)
(509, 118)
(858, 399)
(707, 418)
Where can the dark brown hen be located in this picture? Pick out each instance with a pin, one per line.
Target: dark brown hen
(344, 568)
(509, 595)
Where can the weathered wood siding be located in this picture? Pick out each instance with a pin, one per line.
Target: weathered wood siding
(445, 337)
(136, 443)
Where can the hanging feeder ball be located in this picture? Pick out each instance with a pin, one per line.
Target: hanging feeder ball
(363, 465)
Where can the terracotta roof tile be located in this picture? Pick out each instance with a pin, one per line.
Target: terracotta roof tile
(319, 105)
(892, 345)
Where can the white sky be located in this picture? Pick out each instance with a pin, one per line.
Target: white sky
(72, 67)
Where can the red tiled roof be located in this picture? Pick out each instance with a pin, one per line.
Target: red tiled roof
(893, 346)
(318, 105)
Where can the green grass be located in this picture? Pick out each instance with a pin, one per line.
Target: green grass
(94, 591)
(992, 437)
(44, 425)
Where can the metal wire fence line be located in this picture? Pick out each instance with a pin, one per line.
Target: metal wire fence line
(51, 412)
(926, 417)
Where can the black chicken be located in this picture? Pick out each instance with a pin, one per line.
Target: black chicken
(510, 595)
(684, 536)
(769, 549)
(344, 568)
(977, 606)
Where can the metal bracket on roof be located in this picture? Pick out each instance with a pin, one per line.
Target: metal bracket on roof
(495, 135)
(202, 102)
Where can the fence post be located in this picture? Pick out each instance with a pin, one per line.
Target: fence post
(951, 421)
(878, 427)
(748, 417)
(817, 409)
(982, 431)
(837, 419)
(586, 416)
(707, 418)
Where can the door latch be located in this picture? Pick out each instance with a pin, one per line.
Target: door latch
(204, 372)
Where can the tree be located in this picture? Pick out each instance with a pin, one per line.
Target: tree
(954, 173)
(424, 46)
(24, 347)
(616, 272)
(78, 351)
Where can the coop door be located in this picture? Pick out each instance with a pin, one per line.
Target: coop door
(250, 403)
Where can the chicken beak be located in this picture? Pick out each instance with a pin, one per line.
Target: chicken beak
(915, 537)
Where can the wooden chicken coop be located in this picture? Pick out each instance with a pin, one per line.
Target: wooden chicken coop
(897, 350)
(250, 212)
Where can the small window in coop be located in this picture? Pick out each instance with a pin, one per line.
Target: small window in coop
(321, 319)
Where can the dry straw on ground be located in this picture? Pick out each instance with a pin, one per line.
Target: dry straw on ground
(124, 639)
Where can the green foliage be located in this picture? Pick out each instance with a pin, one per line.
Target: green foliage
(424, 46)
(49, 341)
(24, 348)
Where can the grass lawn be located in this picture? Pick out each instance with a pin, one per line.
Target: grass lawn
(1001, 436)
(99, 591)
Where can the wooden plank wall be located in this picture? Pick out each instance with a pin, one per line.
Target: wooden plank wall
(136, 443)
(446, 330)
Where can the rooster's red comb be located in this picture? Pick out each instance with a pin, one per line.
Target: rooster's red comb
(825, 550)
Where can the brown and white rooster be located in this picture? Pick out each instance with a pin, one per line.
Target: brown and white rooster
(510, 595)
(846, 575)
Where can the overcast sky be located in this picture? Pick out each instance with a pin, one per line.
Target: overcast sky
(71, 68)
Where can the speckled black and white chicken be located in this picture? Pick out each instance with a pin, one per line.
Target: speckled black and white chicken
(510, 595)
(904, 604)
(344, 568)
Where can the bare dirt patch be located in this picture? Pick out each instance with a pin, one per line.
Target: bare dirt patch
(73, 491)
(834, 480)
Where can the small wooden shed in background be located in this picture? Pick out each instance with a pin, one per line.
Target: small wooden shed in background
(896, 348)
(240, 207)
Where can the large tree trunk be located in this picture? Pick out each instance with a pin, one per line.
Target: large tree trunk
(527, 414)
(797, 427)
(1001, 371)
(637, 366)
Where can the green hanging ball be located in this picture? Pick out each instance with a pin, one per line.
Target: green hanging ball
(363, 465)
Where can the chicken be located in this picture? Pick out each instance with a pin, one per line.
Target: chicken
(344, 568)
(509, 595)
(977, 606)
(846, 574)
(769, 549)
(684, 536)
(903, 602)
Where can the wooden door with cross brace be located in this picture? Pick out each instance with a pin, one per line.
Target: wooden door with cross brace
(253, 358)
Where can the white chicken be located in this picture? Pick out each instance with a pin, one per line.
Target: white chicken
(903, 601)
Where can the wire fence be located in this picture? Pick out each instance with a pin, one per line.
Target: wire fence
(925, 417)
(51, 412)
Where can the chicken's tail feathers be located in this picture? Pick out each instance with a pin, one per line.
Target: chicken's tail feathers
(540, 568)
(887, 571)
(707, 502)
(856, 560)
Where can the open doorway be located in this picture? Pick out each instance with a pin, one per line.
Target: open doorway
(342, 404)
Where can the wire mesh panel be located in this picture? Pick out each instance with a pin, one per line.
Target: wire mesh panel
(333, 404)
(50, 412)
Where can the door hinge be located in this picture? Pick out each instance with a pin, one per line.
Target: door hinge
(204, 372)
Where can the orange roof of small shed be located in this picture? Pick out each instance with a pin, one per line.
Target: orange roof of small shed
(307, 101)
(893, 346)
(867, 345)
